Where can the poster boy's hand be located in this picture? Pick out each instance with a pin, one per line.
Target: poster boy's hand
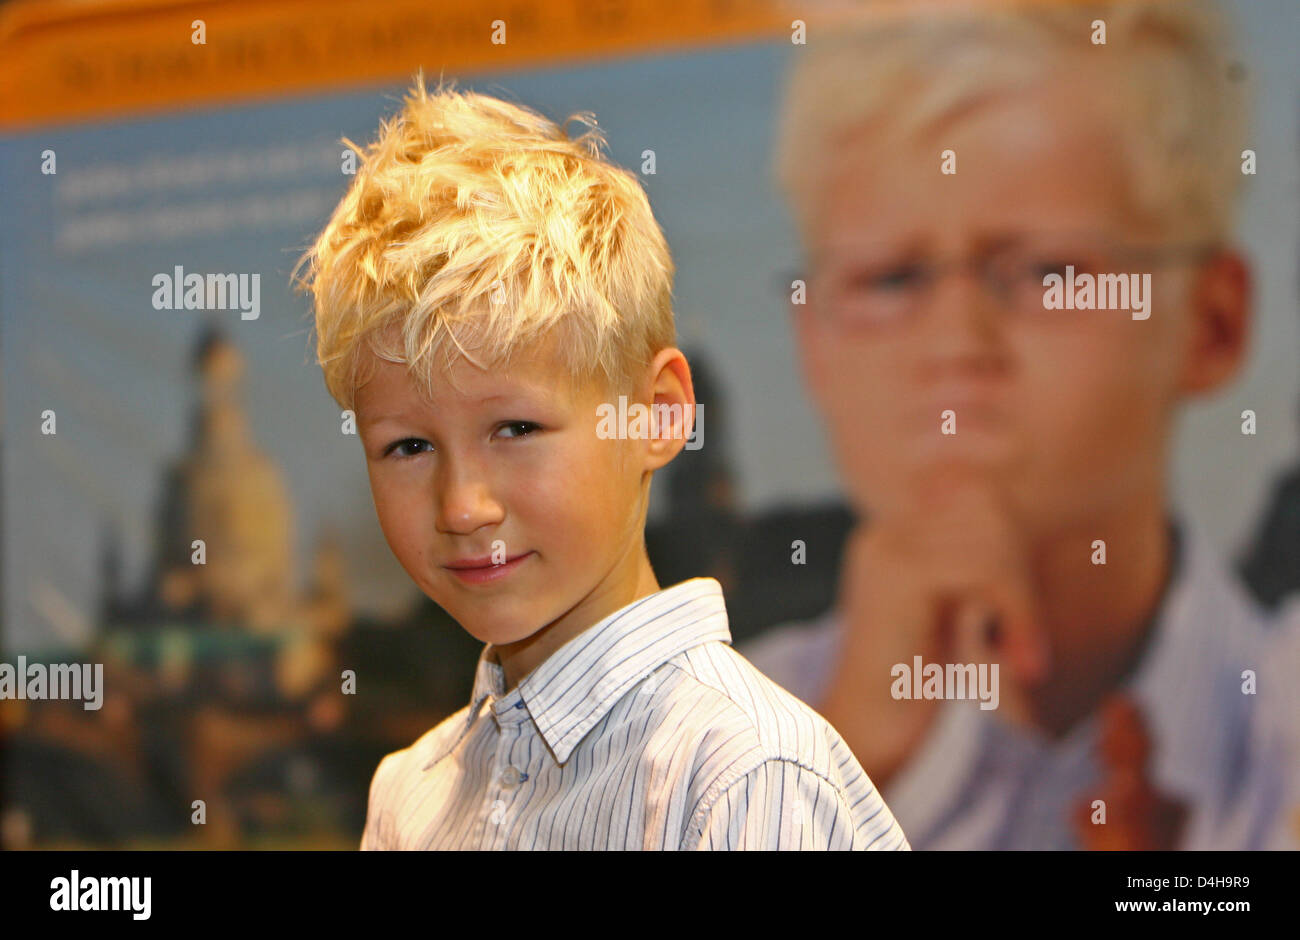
(944, 577)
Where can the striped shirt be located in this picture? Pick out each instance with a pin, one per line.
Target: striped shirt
(977, 782)
(1267, 814)
(646, 731)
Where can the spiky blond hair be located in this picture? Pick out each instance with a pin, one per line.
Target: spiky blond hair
(476, 227)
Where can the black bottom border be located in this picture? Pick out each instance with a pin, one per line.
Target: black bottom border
(335, 889)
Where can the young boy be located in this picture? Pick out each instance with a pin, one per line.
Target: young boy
(485, 294)
(1010, 458)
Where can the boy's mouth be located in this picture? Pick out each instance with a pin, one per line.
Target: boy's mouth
(482, 569)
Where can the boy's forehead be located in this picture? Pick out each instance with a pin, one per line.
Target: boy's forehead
(531, 375)
(1021, 157)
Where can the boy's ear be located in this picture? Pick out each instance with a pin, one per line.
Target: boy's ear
(672, 399)
(1220, 305)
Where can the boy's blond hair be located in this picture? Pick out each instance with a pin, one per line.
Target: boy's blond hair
(1180, 101)
(477, 224)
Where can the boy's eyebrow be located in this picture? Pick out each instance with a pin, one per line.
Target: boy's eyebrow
(1019, 237)
(375, 419)
(368, 418)
(845, 248)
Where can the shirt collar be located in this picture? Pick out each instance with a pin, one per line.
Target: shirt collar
(573, 689)
(1189, 564)
(1205, 610)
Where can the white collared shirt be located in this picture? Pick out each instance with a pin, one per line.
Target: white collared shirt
(646, 731)
(1267, 814)
(977, 782)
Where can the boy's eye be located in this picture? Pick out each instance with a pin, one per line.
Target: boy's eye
(1043, 267)
(899, 277)
(519, 428)
(396, 446)
(1057, 262)
(885, 278)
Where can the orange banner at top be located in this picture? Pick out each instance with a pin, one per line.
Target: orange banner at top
(67, 61)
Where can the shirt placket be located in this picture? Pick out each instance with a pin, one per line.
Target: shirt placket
(511, 777)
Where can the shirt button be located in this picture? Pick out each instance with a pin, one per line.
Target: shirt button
(511, 776)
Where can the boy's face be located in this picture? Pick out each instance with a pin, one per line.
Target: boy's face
(513, 456)
(1067, 410)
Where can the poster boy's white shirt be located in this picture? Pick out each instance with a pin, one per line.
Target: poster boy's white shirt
(976, 782)
(646, 731)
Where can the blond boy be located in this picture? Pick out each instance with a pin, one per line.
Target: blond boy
(484, 292)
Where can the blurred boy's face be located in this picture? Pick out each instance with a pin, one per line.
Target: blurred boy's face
(1068, 410)
(504, 460)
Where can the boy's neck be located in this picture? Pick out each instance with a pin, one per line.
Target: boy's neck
(1099, 617)
(630, 580)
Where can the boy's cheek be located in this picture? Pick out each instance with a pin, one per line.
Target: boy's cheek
(587, 507)
(406, 520)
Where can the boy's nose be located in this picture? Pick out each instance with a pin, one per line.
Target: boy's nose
(964, 327)
(465, 502)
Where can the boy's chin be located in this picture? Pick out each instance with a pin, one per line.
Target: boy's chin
(494, 624)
